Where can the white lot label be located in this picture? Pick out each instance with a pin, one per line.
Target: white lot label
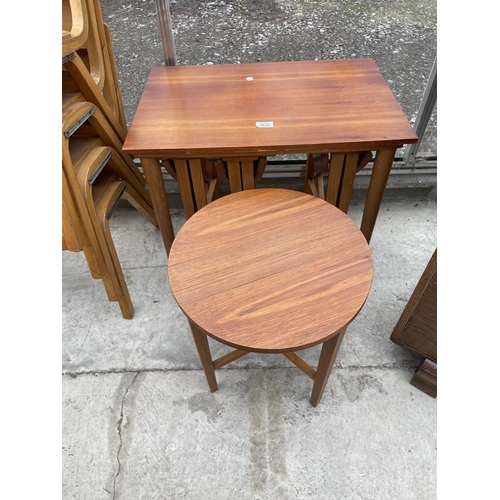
(264, 124)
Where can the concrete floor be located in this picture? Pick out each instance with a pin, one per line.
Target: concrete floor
(140, 423)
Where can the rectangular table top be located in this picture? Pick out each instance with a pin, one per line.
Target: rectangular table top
(266, 109)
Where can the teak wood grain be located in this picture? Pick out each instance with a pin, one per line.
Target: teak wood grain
(315, 106)
(270, 270)
(211, 112)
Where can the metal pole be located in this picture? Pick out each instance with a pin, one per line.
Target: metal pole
(423, 115)
(167, 37)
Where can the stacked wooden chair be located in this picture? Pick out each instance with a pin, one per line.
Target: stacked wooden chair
(96, 173)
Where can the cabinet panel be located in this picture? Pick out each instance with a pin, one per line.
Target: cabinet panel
(416, 329)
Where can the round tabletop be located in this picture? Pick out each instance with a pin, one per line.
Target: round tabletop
(270, 270)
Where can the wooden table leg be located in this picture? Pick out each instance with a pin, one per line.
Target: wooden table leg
(378, 181)
(201, 341)
(327, 357)
(154, 179)
(184, 180)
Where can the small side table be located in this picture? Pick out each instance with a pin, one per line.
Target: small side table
(272, 271)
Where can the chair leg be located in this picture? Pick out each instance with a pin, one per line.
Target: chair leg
(104, 207)
(71, 228)
(81, 222)
(90, 190)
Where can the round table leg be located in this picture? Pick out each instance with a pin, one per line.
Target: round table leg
(201, 341)
(327, 357)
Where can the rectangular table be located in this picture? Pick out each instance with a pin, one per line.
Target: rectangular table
(240, 112)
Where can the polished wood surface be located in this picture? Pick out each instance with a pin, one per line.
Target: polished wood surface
(189, 115)
(315, 106)
(270, 270)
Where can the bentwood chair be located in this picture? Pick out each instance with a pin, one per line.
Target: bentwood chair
(92, 171)
(75, 25)
(88, 62)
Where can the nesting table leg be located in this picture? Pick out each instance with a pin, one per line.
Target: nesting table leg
(327, 357)
(378, 180)
(154, 179)
(201, 341)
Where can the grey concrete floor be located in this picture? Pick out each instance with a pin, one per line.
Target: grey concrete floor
(140, 423)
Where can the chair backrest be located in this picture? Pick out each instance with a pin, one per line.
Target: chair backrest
(88, 62)
(75, 25)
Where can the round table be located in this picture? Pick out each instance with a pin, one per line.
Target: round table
(273, 271)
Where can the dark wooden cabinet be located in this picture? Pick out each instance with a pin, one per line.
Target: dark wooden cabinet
(416, 329)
